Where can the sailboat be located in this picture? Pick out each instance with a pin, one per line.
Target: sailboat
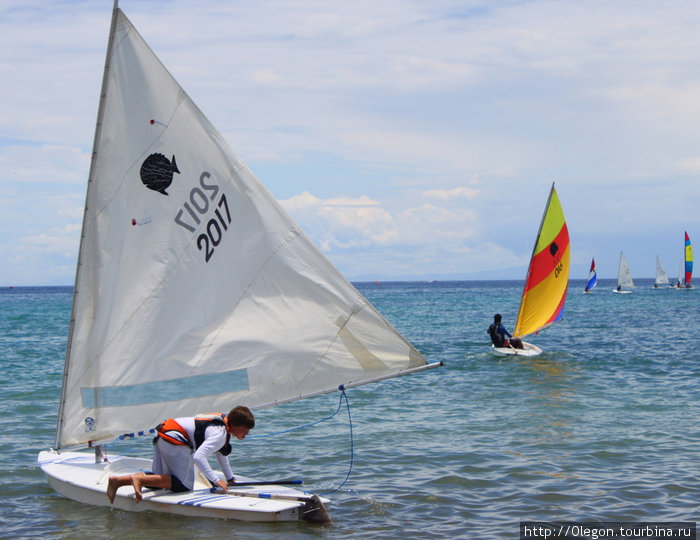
(592, 278)
(544, 293)
(624, 276)
(688, 259)
(661, 276)
(194, 292)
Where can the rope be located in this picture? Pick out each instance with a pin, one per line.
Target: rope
(343, 396)
(352, 446)
(304, 426)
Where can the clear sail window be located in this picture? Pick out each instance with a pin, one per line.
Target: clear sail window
(169, 390)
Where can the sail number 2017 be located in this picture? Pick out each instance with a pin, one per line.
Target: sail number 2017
(200, 206)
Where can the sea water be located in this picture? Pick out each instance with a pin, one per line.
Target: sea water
(603, 426)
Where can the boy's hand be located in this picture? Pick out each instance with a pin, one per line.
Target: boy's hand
(220, 484)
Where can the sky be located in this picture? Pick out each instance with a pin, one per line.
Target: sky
(410, 140)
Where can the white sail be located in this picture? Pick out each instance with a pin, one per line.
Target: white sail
(624, 276)
(661, 276)
(195, 291)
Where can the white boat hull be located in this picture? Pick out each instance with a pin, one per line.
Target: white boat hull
(528, 350)
(76, 476)
(622, 291)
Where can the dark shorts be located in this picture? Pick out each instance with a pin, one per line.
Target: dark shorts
(176, 485)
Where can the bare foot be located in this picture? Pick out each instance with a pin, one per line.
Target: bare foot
(137, 482)
(112, 486)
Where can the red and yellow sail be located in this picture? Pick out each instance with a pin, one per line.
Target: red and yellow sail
(688, 261)
(548, 275)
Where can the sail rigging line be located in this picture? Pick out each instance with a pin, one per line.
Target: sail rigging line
(352, 445)
(343, 396)
(297, 428)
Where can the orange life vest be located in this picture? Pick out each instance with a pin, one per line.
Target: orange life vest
(174, 433)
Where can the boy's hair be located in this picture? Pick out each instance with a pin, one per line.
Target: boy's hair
(241, 416)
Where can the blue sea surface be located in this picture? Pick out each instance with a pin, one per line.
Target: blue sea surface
(603, 426)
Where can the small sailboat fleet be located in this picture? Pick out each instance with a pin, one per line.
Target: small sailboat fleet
(195, 292)
(592, 278)
(624, 277)
(661, 279)
(544, 293)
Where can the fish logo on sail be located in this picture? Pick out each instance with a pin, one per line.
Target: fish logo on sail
(157, 172)
(553, 249)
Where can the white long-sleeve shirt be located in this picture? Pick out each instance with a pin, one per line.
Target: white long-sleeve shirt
(214, 438)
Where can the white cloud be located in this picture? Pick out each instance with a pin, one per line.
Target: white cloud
(63, 241)
(44, 164)
(455, 193)
(690, 165)
(346, 224)
(412, 136)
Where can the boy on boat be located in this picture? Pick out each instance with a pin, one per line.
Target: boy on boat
(498, 335)
(182, 442)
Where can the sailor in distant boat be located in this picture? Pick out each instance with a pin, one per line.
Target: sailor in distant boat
(498, 334)
(182, 442)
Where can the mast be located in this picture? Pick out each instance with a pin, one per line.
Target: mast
(95, 149)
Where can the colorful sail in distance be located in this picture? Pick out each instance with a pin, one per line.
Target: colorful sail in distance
(592, 278)
(688, 261)
(548, 275)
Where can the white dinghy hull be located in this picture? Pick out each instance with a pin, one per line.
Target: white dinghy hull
(528, 350)
(76, 475)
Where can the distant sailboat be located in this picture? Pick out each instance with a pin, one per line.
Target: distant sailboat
(592, 278)
(661, 275)
(624, 276)
(688, 262)
(543, 297)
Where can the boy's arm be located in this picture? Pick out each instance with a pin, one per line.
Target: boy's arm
(214, 438)
(225, 467)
